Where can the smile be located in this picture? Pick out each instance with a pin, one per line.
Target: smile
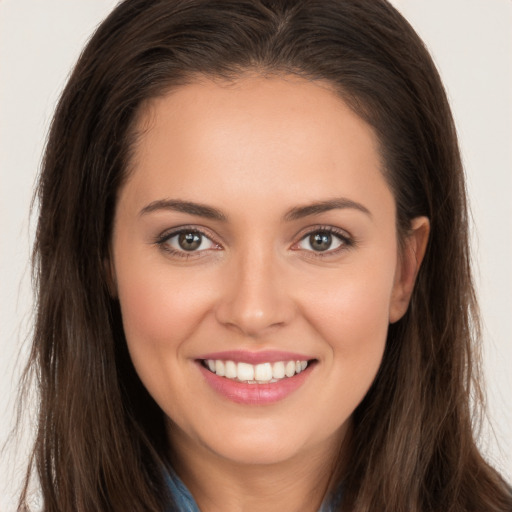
(262, 373)
(259, 379)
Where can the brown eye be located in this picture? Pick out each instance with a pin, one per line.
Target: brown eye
(189, 241)
(321, 241)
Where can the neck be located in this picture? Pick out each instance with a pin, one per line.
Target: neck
(218, 484)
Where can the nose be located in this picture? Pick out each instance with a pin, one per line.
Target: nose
(254, 299)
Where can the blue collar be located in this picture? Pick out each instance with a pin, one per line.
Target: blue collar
(186, 503)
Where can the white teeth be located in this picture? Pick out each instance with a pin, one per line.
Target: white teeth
(263, 372)
(231, 372)
(278, 370)
(245, 371)
(289, 369)
(255, 374)
(219, 368)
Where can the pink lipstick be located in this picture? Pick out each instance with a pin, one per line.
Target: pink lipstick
(255, 378)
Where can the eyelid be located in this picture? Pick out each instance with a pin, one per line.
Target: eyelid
(347, 239)
(165, 236)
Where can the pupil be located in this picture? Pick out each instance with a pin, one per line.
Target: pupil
(189, 241)
(320, 241)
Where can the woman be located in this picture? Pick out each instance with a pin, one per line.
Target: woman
(252, 260)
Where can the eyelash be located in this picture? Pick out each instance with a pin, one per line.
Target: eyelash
(164, 238)
(347, 241)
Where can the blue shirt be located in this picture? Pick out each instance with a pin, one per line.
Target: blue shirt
(186, 502)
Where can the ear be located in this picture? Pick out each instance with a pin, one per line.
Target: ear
(408, 264)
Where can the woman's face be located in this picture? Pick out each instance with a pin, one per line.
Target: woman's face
(255, 237)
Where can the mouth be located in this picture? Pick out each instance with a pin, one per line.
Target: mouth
(256, 378)
(261, 373)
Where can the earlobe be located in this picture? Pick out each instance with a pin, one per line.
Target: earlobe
(408, 265)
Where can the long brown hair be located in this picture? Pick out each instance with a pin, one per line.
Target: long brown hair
(101, 443)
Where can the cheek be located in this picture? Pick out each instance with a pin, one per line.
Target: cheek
(160, 308)
(351, 309)
(350, 313)
(354, 325)
(353, 316)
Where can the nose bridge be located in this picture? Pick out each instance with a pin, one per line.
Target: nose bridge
(255, 297)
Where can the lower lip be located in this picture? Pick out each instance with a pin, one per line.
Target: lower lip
(255, 394)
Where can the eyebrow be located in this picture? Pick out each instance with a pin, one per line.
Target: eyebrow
(295, 213)
(189, 207)
(324, 206)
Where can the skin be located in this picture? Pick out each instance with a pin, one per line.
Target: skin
(255, 149)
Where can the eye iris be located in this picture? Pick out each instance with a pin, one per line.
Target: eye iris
(189, 241)
(320, 241)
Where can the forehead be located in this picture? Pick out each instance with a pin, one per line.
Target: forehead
(267, 138)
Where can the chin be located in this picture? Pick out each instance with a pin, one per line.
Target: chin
(259, 452)
(263, 443)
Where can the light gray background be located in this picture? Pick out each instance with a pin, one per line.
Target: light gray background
(471, 41)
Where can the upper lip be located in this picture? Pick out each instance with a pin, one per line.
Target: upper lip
(264, 356)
